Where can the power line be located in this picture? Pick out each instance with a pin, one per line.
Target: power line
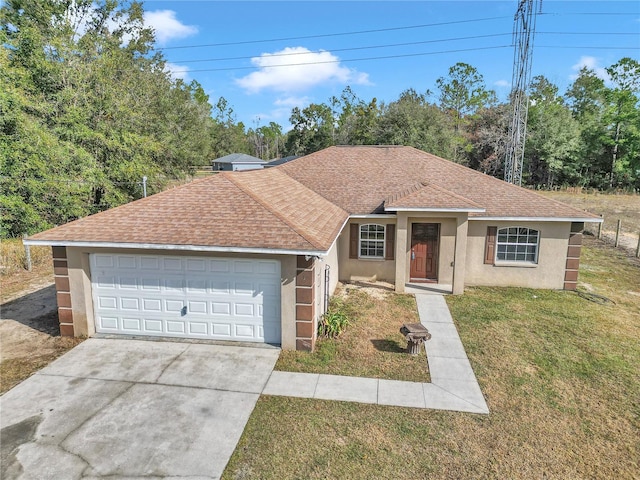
(384, 57)
(379, 30)
(404, 44)
(474, 37)
(338, 34)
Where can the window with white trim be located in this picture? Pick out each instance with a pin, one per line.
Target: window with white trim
(517, 244)
(371, 243)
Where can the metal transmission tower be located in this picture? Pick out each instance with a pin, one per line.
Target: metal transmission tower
(524, 26)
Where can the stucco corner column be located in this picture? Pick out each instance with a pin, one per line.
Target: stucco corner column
(402, 251)
(460, 255)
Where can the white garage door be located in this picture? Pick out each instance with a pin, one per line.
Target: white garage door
(189, 297)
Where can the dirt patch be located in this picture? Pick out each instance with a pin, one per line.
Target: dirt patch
(30, 333)
(377, 290)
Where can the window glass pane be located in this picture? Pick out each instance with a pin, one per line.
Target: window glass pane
(517, 244)
(372, 240)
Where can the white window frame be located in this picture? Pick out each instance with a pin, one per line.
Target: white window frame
(518, 244)
(374, 240)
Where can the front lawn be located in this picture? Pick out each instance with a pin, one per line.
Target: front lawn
(560, 374)
(371, 346)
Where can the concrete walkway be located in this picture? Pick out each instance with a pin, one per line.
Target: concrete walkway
(453, 384)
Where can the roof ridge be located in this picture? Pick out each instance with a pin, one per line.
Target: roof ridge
(229, 176)
(405, 192)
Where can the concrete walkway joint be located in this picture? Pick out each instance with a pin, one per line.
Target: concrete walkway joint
(453, 384)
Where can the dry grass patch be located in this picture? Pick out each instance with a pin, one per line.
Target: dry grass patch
(14, 276)
(15, 370)
(371, 346)
(611, 206)
(560, 375)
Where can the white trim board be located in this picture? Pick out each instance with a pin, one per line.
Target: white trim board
(188, 248)
(539, 219)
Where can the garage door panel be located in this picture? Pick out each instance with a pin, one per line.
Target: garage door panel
(172, 264)
(152, 326)
(219, 266)
(150, 263)
(106, 281)
(245, 331)
(130, 304)
(221, 329)
(110, 303)
(151, 305)
(198, 297)
(132, 325)
(197, 307)
(199, 329)
(127, 262)
(150, 284)
(244, 309)
(108, 323)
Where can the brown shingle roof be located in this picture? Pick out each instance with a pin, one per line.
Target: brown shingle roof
(429, 197)
(360, 179)
(303, 204)
(228, 210)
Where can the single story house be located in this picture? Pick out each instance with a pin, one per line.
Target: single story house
(237, 161)
(253, 256)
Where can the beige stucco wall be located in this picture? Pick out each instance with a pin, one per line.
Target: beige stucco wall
(82, 303)
(330, 260)
(452, 226)
(363, 269)
(547, 273)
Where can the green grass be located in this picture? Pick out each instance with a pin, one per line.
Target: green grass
(370, 346)
(560, 374)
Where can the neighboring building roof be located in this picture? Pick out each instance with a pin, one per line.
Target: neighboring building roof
(280, 161)
(302, 205)
(238, 158)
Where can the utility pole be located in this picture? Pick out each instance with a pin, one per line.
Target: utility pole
(524, 27)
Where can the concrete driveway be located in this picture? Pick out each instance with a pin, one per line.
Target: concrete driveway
(130, 408)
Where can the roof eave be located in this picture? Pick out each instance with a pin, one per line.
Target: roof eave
(435, 210)
(187, 248)
(540, 219)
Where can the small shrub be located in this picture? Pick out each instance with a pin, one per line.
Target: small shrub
(333, 323)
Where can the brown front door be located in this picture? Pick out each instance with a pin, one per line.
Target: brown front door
(424, 252)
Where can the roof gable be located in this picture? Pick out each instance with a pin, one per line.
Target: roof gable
(428, 197)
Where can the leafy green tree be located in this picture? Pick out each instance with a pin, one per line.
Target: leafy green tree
(623, 119)
(412, 120)
(461, 94)
(314, 128)
(587, 100)
(552, 135)
(87, 111)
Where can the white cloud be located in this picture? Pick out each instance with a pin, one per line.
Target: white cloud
(282, 71)
(177, 71)
(292, 102)
(502, 83)
(592, 64)
(167, 26)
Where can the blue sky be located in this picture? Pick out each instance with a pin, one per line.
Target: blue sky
(570, 34)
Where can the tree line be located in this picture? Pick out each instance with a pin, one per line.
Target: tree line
(87, 109)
